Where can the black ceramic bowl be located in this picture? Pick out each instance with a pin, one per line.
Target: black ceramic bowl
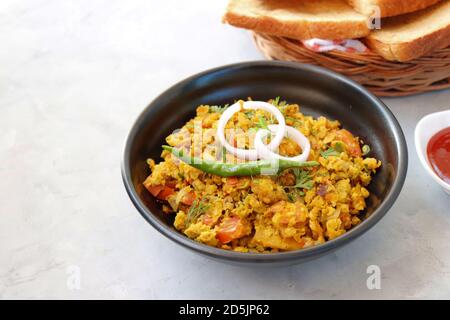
(318, 91)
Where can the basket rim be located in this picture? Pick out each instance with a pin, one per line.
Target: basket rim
(382, 77)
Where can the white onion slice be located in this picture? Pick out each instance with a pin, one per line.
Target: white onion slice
(250, 154)
(265, 153)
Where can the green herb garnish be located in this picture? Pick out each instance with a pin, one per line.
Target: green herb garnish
(291, 197)
(294, 194)
(249, 114)
(262, 123)
(218, 109)
(195, 211)
(295, 120)
(276, 101)
(302, 179)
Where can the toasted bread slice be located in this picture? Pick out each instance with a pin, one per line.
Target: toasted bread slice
(413, 35)
(388, 8)
(298, 19)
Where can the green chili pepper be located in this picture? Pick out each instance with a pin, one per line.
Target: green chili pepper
(251, 168)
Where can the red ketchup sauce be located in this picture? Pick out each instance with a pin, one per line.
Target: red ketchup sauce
(438, 151)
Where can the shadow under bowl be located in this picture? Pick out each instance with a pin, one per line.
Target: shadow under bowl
(318, 91)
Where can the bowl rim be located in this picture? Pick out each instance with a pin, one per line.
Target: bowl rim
(423, 157)
(221, 254)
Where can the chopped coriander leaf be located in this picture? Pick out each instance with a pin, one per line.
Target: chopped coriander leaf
(218, 109)
(302, 180)
(276, 101)
(329, 152)
(294, 120)
(262, 123)
(249, 114)
(291, 197)
(195, 211)
(294, 194)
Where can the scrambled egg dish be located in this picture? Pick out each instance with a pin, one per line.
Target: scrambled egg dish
(295, 209)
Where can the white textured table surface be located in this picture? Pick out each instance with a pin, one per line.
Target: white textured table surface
(74, 75)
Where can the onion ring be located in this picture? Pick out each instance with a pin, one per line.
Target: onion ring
(265, 153)
(250, 154)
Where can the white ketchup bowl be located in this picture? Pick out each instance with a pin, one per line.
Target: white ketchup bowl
(426, 128)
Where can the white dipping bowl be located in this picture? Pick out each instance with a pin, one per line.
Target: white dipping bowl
(427, 127)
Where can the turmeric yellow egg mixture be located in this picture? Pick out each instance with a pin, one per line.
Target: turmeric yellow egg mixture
(296, 208)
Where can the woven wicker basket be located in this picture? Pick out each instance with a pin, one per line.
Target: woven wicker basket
(384, 78)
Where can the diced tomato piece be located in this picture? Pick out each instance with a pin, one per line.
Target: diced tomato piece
(231, 228)
(165, 193)
(155, 190)
(350, 141)
(171, 184)
(232, 181)
(188, 199)
(208, 220)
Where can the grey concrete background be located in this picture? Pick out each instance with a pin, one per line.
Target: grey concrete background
(73, 77)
